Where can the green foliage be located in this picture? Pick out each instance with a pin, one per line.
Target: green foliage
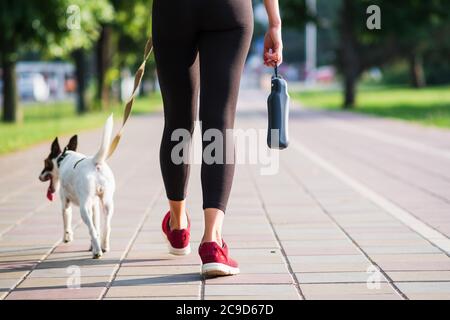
(44, 122)
(397, 73)
(26, 24)
(407, 26)
(133, 27)
(294, 13)
(42, 25)
(295, 16)
(92, 14)
(50, 27)
(429, 106)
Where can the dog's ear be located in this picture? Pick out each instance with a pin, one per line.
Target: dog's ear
(55, 149)
(73, 143)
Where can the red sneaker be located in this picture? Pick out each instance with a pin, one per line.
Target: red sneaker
(177, 240)
(215, 260)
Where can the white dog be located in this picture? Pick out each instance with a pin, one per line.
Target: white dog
(87, 182)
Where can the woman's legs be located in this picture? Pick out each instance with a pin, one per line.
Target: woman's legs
(222, 58)
(178, 216)
(213, 225)
(175, 46)
(222, 36)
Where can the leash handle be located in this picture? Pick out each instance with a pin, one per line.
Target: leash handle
(129, 105)
(276, 71)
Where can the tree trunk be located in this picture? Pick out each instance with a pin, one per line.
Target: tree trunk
(120, 98)
(80, 73)
(103, 64)
(11, 112)
(349, 58)
(350, 91)
(417, 72)
(142, 89)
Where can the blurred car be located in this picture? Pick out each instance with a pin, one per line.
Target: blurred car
(32, 86)
(324, 75)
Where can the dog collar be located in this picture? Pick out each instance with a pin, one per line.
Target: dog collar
(61, 157)
(75, 165)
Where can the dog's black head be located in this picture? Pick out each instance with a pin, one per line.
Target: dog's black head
(50, 163)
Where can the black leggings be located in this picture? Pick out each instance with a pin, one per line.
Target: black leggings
(200, 46)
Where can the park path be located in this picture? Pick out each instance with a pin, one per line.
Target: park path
(359, 209)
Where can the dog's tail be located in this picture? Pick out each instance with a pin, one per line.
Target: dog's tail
(101, 155)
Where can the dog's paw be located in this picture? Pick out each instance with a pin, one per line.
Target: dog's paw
(105, 246)
(97, 255)
(68, 237)
(96, 250)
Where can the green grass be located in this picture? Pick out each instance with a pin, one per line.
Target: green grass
(43, 122)
(429, 106)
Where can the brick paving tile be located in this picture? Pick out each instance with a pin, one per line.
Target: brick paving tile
(32, 284)
(154, 291)
(250, 290)
(339, 290)
(336, 277)
(419, 275)
(425, 290)
(154, 298)
(271, 278)
(188, 278)
(268, 297)
(55, 294)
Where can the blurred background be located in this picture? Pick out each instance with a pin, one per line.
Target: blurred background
(65, 64)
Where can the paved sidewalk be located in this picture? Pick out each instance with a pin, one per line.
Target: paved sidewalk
(358, 210)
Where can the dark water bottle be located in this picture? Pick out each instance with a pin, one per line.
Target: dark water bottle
(278, 107)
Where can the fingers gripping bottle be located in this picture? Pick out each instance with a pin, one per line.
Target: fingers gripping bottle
(278, 107)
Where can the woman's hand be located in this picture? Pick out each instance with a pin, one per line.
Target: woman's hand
(273, 47)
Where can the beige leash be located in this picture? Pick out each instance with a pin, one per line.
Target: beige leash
(129, 106)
